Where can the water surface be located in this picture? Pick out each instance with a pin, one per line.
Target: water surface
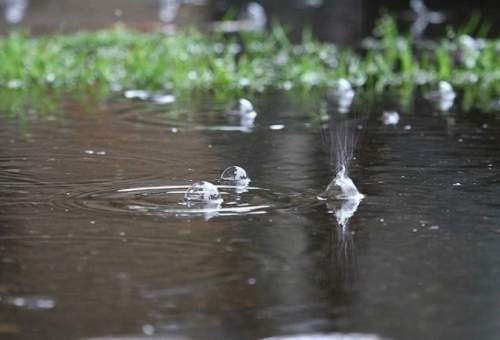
(418, 260)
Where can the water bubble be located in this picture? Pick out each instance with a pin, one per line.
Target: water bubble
(235, 175)
(202, 192)
(390, 118)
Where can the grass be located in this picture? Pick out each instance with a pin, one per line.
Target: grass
(36, 72)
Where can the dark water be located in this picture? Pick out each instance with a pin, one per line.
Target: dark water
(419, 259)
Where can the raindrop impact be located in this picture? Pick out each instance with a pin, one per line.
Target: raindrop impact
(342, 187)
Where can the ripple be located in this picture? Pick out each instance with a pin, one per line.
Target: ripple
(212, 118)
(167, 201)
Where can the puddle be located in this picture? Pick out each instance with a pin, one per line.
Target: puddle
(94, 217)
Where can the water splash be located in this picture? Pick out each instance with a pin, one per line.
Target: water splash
(342, 95)
(252, 18)
(342, 187)
(245, 113)
(390, 118)
(424, 17)
(443, 97)
(341, 194)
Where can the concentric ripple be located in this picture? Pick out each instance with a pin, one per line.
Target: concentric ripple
(167, 201)
(209, 118)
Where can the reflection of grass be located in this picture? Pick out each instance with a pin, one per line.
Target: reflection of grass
(33, 70)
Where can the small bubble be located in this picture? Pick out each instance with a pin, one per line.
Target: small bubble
(457, 184)
(407, 127)
(252, 281)
(434, 227)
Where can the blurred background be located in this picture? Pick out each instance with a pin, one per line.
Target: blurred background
(340, 21)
